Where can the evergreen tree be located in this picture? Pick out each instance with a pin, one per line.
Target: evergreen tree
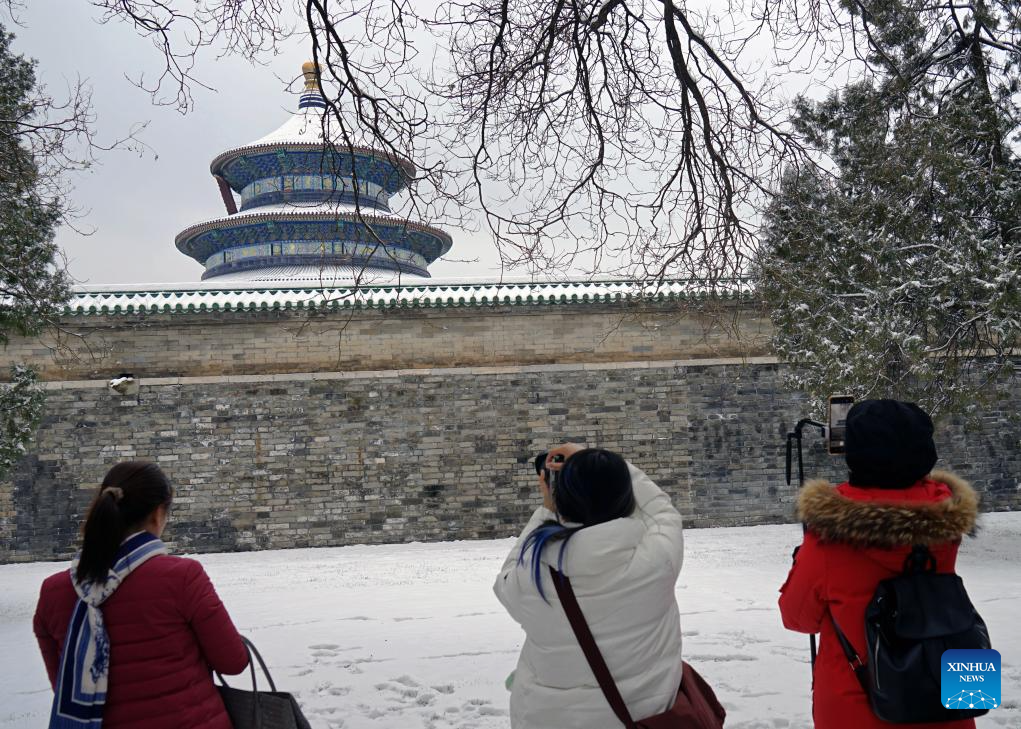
(894, 268)
(33, 284)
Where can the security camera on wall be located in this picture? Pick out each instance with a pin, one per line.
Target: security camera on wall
(124, 384)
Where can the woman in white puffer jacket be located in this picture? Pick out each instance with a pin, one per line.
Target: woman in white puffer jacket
(618, 538)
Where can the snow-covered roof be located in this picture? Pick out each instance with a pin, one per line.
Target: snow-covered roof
(303, 127)
(407, 293)
(305, 130)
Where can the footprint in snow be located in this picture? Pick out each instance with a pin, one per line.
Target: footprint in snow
(721, 658)
(321, 687)
(741, 639)
(326, 688)
(483, 707)
(406, 690)
(330, 650)
(324, 710)
(492, 711)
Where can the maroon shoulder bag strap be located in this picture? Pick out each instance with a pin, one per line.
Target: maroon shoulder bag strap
(589, 647)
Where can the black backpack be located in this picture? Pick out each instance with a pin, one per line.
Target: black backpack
(909, 622)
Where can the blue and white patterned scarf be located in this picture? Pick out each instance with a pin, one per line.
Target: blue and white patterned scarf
(85, 660)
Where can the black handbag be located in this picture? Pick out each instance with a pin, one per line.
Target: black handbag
(260, 709)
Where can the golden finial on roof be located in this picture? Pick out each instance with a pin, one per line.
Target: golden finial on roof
(311, 73)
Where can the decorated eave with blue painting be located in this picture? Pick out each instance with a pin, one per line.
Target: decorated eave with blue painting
(306, 201)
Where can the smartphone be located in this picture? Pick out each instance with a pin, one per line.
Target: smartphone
(839, 407)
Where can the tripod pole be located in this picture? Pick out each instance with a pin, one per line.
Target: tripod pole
(792, 437)
(812, 649)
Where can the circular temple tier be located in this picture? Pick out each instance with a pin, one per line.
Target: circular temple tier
(307, 202)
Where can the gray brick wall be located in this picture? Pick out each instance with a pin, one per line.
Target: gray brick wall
(296, 461)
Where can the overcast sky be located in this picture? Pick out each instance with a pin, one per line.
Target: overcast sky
(134, 205)
(137, 204)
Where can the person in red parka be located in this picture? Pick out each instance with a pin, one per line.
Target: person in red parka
(860, 533)
(166, 628)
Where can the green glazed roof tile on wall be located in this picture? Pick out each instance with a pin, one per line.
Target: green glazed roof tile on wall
(92, 301)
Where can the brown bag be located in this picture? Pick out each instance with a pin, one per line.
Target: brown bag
(696, 706)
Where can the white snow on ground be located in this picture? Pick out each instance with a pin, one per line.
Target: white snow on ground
(410, 636)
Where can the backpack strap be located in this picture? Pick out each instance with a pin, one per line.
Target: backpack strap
(853, 659)
(588, 646)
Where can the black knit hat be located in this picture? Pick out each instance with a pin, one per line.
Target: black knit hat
(889, 444)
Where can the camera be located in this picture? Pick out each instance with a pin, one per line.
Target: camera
(540, 468)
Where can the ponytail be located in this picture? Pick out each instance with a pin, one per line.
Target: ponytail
(130, 492)
(102, 534)
(537, 539)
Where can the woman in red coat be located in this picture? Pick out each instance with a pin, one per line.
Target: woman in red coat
(130, 634)
(859, 534)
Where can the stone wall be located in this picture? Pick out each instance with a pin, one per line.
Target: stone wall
(390, 456)
(271, 342)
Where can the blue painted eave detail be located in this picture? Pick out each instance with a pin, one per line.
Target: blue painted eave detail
(265, 163)
(379, 262)
(201, 242)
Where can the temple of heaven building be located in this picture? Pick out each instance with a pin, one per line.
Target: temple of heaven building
(300, 199)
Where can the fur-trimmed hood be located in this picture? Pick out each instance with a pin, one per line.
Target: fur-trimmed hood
(885, 524)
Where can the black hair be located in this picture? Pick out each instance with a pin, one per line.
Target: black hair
(131, 491)
(594, 487)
